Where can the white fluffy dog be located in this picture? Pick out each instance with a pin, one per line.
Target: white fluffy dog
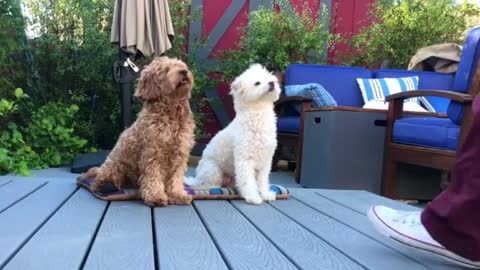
(243, 151)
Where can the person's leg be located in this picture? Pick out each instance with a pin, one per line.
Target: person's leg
(453, 218)
(449, 227)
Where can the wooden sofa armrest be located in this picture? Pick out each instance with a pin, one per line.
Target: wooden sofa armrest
(305, 103)
(356, 109)
(298, 99)
(456, 96)
(395, 107)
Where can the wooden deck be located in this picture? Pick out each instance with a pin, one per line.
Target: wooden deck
(48, 223)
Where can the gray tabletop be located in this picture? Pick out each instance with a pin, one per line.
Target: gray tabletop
(47, 224)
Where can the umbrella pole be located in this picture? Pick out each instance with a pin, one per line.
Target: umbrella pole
(125, 93)
(125, 86)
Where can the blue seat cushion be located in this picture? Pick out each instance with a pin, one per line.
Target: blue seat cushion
(288, 124)
(432, 132)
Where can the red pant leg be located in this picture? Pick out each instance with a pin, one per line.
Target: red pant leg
(453, 218)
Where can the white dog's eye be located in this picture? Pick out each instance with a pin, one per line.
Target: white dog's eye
(257, 83)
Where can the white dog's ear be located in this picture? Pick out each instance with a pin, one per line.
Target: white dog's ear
(236, 86)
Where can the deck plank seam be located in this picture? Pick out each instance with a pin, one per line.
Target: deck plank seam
(35, 230)
(23, 197)
(327, 215)
(339, 203)
(214, 240)
(94, 237)
(320, 237)
(268, 238)
(8, 182)
(156, 258)
(366, 235)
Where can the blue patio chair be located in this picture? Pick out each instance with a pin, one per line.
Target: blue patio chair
(432, 141)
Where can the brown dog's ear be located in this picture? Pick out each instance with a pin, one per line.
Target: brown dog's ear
(147, 89)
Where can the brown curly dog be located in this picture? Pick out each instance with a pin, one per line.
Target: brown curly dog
(153, 153)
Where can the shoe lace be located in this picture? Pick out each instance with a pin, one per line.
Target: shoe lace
(408, 218)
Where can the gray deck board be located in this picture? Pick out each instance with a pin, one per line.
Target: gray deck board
(303, 247)
(183, 242)
(48, 223)
(358, 246)
(358, 222)
(65, 238)
(124, 240)
(14, 191)
(4, 181)
(19, 222)
(240, 243)
(361, 201)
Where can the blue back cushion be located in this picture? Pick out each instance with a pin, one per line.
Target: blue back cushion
(426, 81)
(339, 81)
(465, 72)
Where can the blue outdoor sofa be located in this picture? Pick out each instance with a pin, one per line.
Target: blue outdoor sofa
(344, 145)
(429, 141)
(331, 138)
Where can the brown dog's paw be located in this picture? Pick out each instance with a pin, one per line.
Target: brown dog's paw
(153, 200)
(179, 199)
(98, 185)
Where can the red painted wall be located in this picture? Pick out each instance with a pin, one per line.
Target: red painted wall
(348, 17)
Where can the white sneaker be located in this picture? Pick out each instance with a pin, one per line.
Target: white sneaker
(406, 228)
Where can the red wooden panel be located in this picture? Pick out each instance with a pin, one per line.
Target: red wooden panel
(348, 17)
(361, 17)
(341, 23)
(212, 12)
(232, 37)
(313, 5)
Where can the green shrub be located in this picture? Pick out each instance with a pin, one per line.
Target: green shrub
(73, 56)
(277, 39)
(400, 27)
(45, 139)
(12, 47)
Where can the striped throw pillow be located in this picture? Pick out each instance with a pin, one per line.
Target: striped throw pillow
(378, 89)
(427, 104)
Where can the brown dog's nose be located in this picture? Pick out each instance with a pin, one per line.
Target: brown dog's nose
(184, 72)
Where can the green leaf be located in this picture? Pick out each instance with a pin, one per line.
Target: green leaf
(12, 126)
(74, 108)
(17, 136)
(4, 158)
(22, 169)
(18, 92)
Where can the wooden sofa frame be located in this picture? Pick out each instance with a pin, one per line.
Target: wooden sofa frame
(427, 157)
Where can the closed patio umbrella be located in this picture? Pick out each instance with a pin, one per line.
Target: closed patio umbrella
(142, 26)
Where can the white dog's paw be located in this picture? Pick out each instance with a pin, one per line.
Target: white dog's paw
(252, 199)
(268, 195)
(190, 181)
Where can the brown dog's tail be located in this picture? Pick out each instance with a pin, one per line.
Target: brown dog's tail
(92, 172)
